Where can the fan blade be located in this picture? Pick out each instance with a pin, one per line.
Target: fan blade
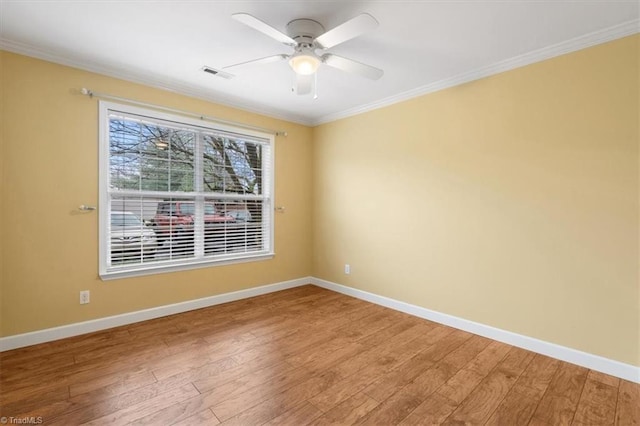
(263, 27)
(348, 30)
(264, 60)
(304, 84)
(349, 65)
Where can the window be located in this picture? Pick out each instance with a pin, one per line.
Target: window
(177, 193)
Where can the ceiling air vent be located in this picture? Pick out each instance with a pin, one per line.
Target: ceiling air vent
(217, 73)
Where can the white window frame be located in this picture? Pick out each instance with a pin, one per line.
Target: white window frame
(108, 272)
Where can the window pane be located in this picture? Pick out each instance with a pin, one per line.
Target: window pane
(132, 240)
(235, 228)
(146, 229)
(174, 223)
(232, 165)
(150, 157)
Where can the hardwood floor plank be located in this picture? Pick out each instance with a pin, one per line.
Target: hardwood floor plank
(349, 411)
(488, 358)
(433, 411)
(225, 407)
(387, 362)
(31, 401)
(116, 350)
(322, 350)
(78, 401)
(164, 329)
(21, 373)
(18, 371)
(328, 364)
(480, 404)
(225, 349)
(462, 355)
(396, 379)
(517, 407)
(111, 383)
(45, 381)
(60, 348)
(517, 360)
(343, 318)
(399, 405)
(223, 369)
(246, 362)
(88, 406)
(135, 411)
(299, 356)
(354, 362)
(559, 402)
(297, 416)
(484, 382)
(539, 373)
(448, 344)
(604, 378)
(439, 406)
(195, 356)
(597, 404)
(443, 341)
(281, 402)
(204, 418)
(366, 326)
(211, 334)
(628, 408)
(250, 379)
(388, 334)
(176, 411)
(458, 387)
(338, 315)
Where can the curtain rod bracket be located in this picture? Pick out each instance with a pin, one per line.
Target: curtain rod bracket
(86, 92)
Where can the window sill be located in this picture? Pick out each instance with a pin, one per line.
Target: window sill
(140, 270)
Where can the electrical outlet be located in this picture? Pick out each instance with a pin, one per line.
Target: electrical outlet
(84, 297)
(347, 268)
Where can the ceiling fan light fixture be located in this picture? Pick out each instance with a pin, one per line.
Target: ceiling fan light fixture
(304, 64)
(161, 145)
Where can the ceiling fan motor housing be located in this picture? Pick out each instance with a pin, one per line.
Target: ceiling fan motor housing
(304, 31)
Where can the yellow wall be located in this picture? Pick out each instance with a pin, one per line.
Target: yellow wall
(511, 201)
(50, 167)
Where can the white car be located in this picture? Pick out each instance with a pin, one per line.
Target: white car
(131, 239)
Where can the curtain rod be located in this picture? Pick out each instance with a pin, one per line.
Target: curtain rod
(92, 94)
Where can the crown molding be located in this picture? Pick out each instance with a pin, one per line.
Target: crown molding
(148, 80)
(571, 45)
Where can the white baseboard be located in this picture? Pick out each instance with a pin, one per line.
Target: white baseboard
(563, 353)
(56, 333)
(584, 359)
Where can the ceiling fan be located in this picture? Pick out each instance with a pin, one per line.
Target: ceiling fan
(307, 36)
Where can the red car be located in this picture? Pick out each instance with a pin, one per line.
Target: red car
(176, 216)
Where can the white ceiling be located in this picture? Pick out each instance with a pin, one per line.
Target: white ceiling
(421, 45)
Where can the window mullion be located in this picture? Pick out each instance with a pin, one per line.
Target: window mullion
(199, 225)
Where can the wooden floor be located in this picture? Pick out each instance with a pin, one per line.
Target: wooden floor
(302, 356)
